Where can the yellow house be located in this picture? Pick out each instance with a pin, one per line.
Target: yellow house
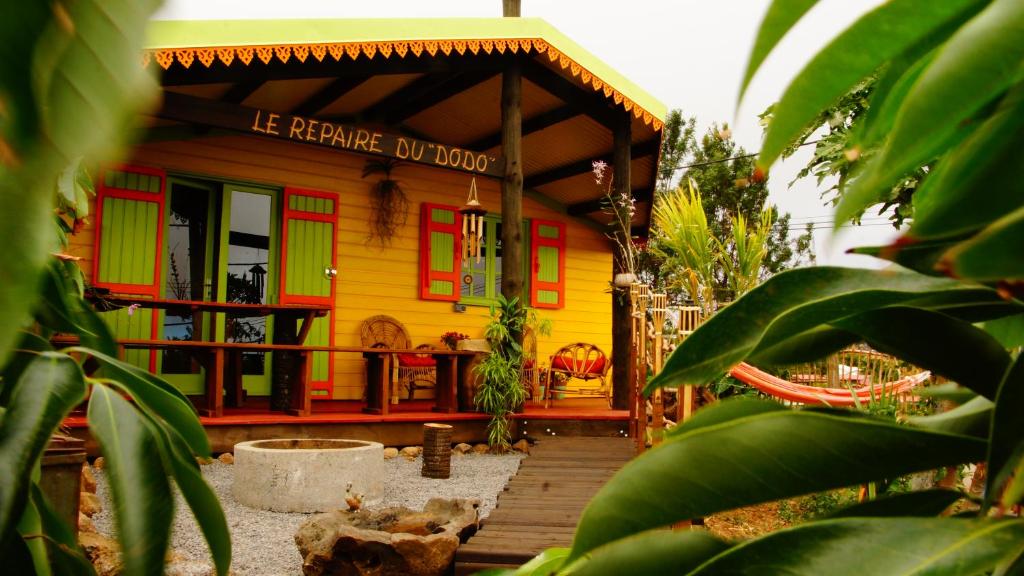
(259, 180)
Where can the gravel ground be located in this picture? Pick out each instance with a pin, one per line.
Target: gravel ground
(262, 541)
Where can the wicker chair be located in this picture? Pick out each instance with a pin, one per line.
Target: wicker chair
(530, 375)
(385, 332)
(584, 362)
(417, 371)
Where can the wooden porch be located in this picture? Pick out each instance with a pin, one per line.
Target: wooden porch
(402, 426)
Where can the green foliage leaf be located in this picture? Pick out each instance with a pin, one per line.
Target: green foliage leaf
(985, 164)
(48, 389)
(781, 16)
(1006, 447)
(919, 256)
(807, 346)
(780, 308)
(877, 37)
(25, 351)
(1008, 331)
(781, 453)
(161, 400)
(200, 498)
(920, 503)
(897, 546)
(973, 68)
(725, 411)
(65, 554)
(945, 345)
(972, 418)
(543, 564)
(143, 503)
(993, 255)
(949, 391)
(653, 552)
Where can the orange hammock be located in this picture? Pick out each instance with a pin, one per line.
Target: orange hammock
(786, 390)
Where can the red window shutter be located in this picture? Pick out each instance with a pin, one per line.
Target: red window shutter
(547, 264)
(440, 247)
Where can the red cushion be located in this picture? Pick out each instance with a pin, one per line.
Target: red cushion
(595, 366)
(528, 364)
(416, 361)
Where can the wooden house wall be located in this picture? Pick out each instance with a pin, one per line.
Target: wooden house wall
(373, 280)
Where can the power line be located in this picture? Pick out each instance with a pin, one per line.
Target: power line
(740, 157)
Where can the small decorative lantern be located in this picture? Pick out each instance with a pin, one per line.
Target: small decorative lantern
(472, 225)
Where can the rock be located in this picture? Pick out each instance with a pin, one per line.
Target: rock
(98, 463)
(390, 453)
(462, 448)
(389, 541)
(102, 551)
(89, 504)
(85, 523)
(411, 452)
(481, 448)
(88, 480)
(522, 446)
(226, 458)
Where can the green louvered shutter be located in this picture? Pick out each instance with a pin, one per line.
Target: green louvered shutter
(309, 248)
(547, 264)
(129, 236)
(440, 246)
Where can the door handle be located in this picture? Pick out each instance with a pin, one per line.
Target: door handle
(330, 272)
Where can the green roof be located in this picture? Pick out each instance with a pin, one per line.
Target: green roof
(177, 34)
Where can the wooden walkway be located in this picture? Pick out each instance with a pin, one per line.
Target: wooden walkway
(542, 503)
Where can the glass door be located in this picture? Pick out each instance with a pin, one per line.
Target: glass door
(189, 256)
(247, 275)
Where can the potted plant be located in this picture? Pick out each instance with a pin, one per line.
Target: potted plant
(452, 338)
(621, 207)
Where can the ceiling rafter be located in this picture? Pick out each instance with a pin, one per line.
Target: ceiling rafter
(530, 125)
(641, 150)
(424, 93)
(591, 103)
(327, 95)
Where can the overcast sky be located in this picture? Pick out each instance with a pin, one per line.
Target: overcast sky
(690, 54)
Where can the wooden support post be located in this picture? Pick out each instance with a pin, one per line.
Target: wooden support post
(621, 335)
(510, 8)
(512, 183)
(437, 451)
(640, 367)
(658, 310)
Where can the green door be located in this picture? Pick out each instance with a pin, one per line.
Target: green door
(309, 249)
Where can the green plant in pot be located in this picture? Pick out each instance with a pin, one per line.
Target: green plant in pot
(500, 391)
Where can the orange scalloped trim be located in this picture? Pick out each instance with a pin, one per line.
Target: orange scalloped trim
(245, 54)
(283, 53)
(206, 56)
(185, 57)
(226, 55)
(265, 54)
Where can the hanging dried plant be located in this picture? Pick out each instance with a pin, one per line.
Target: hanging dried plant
(389, 207)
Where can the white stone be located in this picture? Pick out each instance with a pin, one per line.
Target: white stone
(307, 475)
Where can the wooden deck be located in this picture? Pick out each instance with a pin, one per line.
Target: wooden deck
(542, 503)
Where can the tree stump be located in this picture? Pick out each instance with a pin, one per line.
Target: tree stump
(437, 450)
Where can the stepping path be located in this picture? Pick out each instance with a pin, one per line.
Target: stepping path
(542, 503)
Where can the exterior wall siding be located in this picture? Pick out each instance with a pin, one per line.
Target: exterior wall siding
(374, 280)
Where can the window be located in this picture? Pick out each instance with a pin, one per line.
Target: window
(481, 281)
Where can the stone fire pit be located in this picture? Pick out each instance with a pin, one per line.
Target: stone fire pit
(390, 541)
(307, 475)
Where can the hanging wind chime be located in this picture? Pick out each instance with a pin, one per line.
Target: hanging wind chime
(472, 225)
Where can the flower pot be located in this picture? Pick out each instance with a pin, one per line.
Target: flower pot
(624, 279)
(61, 477)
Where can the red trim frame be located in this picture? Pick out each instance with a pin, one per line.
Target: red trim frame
(426, 274)
(536, 241)
(160, 199)
(285, 298)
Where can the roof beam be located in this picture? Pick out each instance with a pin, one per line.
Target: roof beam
(591, 103)
(217, 72)
(241, 90)
(423, 93)
(531, 125)
(597, 204)
(641, 150)
(327, 95)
